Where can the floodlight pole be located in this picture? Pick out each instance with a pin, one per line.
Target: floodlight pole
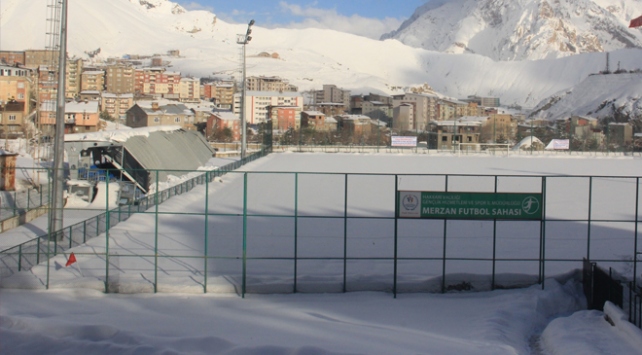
(244, 39)
(55, 216)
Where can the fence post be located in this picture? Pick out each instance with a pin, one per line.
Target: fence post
(243, 288)
(207, 235)
(443, 258)
(156, 237)
(84, 231)
(107, 216)
(28, 199)
(635, 242)
(20, 257)
(394, 285)
(70, 236)
(345, 234)
(296, 227)
(590, 203)
(15, 202)
(492, 282)
(543, 235)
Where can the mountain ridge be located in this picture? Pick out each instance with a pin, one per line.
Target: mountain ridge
(308, 58)
(522, 29)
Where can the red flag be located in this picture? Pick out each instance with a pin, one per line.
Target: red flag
(71, 260)
(636, 22)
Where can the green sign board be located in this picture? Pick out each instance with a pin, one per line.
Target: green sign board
(469, 205)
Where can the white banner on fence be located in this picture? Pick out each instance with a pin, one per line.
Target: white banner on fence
(558, 144)
(403, 141)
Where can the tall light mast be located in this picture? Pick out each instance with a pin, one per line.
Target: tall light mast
(244, 39)
(55, 214)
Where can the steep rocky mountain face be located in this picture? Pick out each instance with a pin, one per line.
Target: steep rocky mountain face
(522, 29)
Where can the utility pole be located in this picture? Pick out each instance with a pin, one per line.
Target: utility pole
(244, 39)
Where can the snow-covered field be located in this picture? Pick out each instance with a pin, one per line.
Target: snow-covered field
(74, 316)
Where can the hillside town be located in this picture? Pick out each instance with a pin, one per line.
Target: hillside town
(144, 91)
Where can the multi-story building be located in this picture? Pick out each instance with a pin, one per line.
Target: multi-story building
(157, 115)
(218, 121)
(484, 101)
(12, 57)
(80, 117)
(73, 78)
(285, 117)
(119, 79)
(157, 82)
(12, 118)
(220, 92)
(332, 94)
(269, 83)
(403, 118)
(189, 89)
(315, 120)
(425, 106)
(92, 80)
(15, 85)
(257, 102)
(451, 133)
(449, 109)
(377, 110)
(47, 85)
(38, 57)
(356, 125)
(116, 105)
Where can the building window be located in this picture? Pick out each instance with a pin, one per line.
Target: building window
(12, 117)
(177, 120)
(156, 119)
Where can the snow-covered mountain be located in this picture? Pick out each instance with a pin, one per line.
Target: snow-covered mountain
(522, 29)
(308, 58)
(614, 96)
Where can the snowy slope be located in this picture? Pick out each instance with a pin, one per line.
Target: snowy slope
(309, 58)
(601, 96)
(522, 29)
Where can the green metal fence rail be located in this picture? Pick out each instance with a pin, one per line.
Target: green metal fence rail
(33, 252)
(281, 245)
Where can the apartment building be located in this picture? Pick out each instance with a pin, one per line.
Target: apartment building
(403, 118)
(73, 81)
(285, 117)
(333, 94)
(116, 105)
(484, 101)
(453, 132)
(12, 57)
(92, 80)
(220, 92)
(47, 84)
(356, 125)
(377, 110)
(15, 85)
(269, 83)
(80, 117)
(119, 79)
(449, 109)
(218, 121)
(257, 102)
(12, 118)
(189, 89)
(38, 57)
(157, 82)
(425, 108)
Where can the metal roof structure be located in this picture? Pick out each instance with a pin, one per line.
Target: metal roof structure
(142, 156)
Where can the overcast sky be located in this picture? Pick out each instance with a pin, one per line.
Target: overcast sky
(370, 18)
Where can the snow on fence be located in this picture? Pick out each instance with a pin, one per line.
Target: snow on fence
(276, 232)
